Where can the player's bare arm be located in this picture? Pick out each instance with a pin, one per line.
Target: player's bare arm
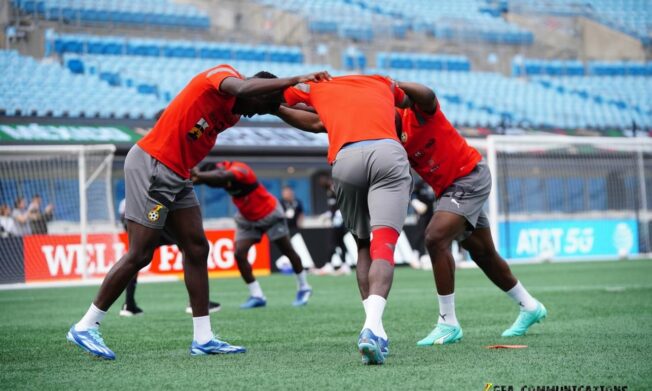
(421, 96)
(301, 119)
(261, 86)
(212, 178)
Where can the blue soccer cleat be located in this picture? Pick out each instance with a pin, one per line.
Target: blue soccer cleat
(91, 341)
(525, 320)
(442, 334)
(214, 346)
(384, 347)
(302, 297)
(254, 302)
(371, 347)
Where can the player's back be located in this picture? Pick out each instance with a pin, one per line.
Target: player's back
(352, 108)
(188, 127)
(435, 149)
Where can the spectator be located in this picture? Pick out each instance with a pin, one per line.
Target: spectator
(7, 224)
(21, 217)
(293, 209)
(38, 220)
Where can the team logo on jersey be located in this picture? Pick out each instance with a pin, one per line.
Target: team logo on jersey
(153, 215)
(404, 137)
(198, 130)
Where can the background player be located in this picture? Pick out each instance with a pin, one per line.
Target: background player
(160, 194)
(462, 182)
(372, 182)
(259, 212)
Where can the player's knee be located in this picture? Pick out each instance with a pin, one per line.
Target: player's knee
(437, 239)
(240, 254)
(383, 244)
(198, 251)
(140, 257)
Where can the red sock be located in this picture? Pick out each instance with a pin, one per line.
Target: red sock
(383, 243)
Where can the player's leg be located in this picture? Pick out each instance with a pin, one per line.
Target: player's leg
(247, 236)
(481, 247)
(388, 198)
(186, 225)
(351, 188)
(85, 333)
(304, 290)
(168, 239)
(362, 268)
(456, 215)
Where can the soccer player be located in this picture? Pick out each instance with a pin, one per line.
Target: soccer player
(372, 182)
(160, 194)
(462, 182)
(259, 212)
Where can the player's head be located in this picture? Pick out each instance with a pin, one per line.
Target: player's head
(264, 104)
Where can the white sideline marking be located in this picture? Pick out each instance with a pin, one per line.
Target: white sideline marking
(88, 282)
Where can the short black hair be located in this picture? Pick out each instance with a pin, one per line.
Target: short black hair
(265, 75)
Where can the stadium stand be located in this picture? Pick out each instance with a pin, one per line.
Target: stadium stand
(115, 45)
(144, 84)
(158, 13)
(45, 88)
(468, 20)
(629, 16)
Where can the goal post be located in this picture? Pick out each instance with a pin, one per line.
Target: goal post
(57, 197)
(569, 198)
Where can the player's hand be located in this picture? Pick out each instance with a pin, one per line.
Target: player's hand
(194, 175)
(315, 77)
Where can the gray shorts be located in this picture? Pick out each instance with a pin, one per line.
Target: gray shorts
(274, 225)
(467, 196)
(373, 185)
(152, 190)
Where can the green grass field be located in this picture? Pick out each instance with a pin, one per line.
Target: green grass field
(598, 332)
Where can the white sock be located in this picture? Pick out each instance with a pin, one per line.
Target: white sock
(92, 318)
(302, 280)
(522, 297)
(202, 332)
(255, 290)
(447, 310)
(374, 308)
(364, 304)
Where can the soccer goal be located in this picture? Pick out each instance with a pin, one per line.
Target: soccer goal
(58, 213)
(569, 198)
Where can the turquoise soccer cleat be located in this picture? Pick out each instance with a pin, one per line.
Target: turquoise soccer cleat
(373, 349)
(91, 341)
(214, 346)
(442, 334)
(525, 320)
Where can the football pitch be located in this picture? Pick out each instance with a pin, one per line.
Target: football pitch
(598, 332)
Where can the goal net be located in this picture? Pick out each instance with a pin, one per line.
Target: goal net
(559, 197)
(58, 216)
